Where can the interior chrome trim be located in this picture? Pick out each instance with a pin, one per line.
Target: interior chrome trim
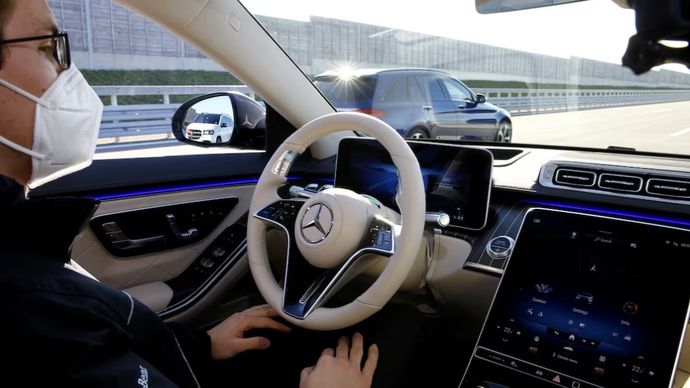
(484, 268)
(500, 255)
(649, 181)
(560, 170)
(603, 174)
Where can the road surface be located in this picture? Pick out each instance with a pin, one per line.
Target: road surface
(656, 127)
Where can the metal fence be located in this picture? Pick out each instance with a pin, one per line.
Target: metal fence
(121, 121)
(522, 101)
(148, 119)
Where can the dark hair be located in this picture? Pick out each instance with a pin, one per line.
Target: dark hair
(6, 8)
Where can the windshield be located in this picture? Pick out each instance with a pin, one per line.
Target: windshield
(549, 76)
(207, 118)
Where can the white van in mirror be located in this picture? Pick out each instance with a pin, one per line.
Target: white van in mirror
(211, 128)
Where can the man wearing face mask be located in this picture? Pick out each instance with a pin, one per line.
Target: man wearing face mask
(59, 327)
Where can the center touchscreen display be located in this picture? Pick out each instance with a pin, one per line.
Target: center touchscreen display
(457, 179)
(588, 301)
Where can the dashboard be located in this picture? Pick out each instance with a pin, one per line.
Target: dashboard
(584, 254)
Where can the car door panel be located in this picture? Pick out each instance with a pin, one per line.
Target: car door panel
(159, 228)
(462, 101)
(141, 188)
(480, 126)
(122, 272)
(445, 122)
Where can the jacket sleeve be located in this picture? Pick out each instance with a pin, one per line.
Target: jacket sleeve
(64, 340)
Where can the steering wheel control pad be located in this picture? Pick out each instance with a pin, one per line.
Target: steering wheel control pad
(331, 225)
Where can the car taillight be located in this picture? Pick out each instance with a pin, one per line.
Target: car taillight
(376, 113)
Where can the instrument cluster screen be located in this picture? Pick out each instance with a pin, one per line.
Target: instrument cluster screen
(589, 301)
(457, 179)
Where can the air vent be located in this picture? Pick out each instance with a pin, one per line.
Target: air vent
(618, 182)
(669, 188)
(570, 177)
(654, 184)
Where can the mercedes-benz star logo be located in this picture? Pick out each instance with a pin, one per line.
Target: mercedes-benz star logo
(317, 223)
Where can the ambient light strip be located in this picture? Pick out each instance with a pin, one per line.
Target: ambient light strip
(198, 186)
(611, 212)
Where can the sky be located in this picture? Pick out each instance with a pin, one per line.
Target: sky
(595, 29)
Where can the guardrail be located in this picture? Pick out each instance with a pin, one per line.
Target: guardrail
(153, 120)
(166, 91)
(149, 120)
(521, 101)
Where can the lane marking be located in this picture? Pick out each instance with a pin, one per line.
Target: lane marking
(681, 132)
(661, 110)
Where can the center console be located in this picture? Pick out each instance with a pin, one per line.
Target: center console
(586, 301)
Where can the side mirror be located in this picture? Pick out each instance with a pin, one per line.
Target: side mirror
(481, 98)
(199, 121)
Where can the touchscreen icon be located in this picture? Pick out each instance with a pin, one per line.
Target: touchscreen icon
(543, 288)
(630, 308)
(584, 297)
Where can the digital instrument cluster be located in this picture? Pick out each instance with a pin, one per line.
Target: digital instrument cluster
(457, 179)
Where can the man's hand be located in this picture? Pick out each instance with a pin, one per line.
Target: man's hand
(342, 368)
(227, 338)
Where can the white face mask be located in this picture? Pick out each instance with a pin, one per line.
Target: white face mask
(68, 118)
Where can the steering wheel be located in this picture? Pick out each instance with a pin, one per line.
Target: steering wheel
(331, 234)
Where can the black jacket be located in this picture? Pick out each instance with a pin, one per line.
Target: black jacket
(60, 328)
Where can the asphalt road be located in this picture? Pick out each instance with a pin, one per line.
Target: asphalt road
(656, 127)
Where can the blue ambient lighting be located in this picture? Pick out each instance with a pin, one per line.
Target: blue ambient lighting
(198, 186)
(611, 212)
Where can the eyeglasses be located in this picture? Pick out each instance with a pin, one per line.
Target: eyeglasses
(60, 47)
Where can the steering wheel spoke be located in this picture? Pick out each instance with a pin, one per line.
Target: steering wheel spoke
(306, 287)
(380, 237)
(282, 213)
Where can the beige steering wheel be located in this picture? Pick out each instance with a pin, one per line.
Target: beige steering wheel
(330, 233)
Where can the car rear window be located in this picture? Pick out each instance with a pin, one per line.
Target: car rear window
(345, 92)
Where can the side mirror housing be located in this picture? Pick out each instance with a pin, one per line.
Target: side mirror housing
(220, 119)
(481, 98)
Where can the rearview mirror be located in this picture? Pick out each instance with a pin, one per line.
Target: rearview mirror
(222, 118)
(481, 98)
(497, 6)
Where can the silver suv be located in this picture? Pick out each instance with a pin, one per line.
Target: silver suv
(418, 103)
